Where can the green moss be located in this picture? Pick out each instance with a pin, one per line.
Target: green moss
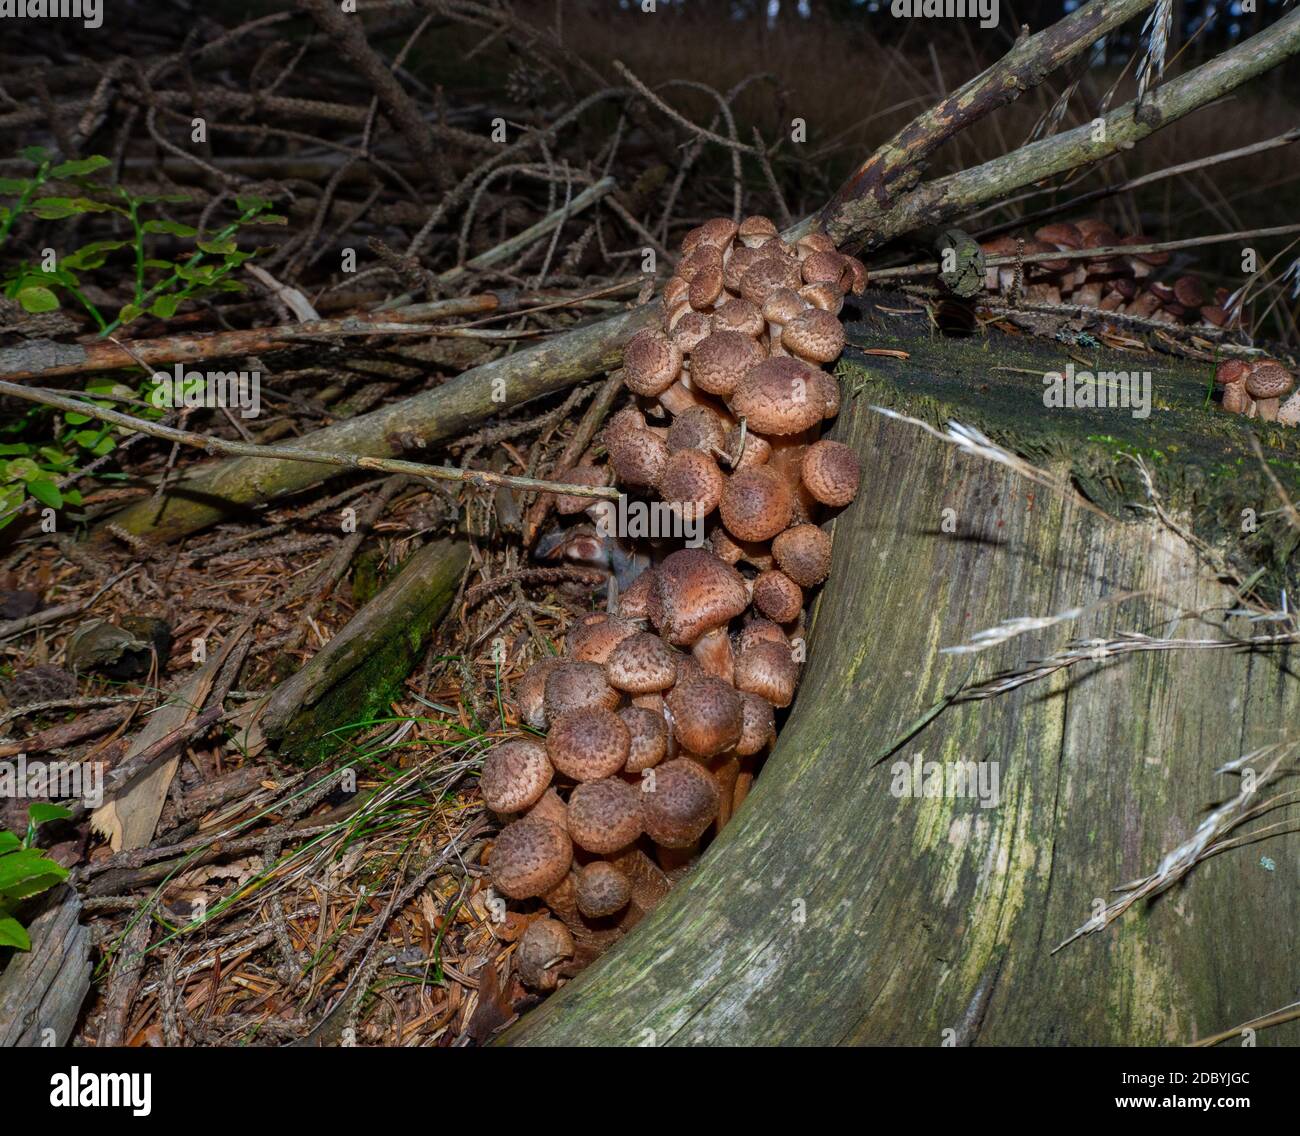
(1199, 457)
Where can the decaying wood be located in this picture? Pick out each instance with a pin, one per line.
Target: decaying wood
(832, 910)
(41, 990)
(354, 675)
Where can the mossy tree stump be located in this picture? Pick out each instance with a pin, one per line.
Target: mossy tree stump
(833, 911)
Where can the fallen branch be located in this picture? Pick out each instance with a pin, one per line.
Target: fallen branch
(481, 478)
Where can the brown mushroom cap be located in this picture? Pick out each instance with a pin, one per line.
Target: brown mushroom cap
(1061, 234)
(779, 396)
(707, 717)
(1190, 292)
(595, 636)
(567, 504)
(544, 947)
(604, 815)
(530, 693)
(804, 554)
(756, 504)
(814, 335)
(588, 744)
(515, 775)
(530, 857)
(824, 296)
(642, 664)
(697, 428)
(759, 724)
(831, 471)
(683, 802)
(760, 631)
(1269, 379)
(777, 596)
(756, 231)
(638, 457)
(770, 271)
(766, 669)
(634, 603)
(718, 232)
(576, 686)
(1232, 371)
(722, 360)
(783, 305)
(689, 330)
(651, 362)
(693, 592)
(829, 268)
(692, 480)
(740, 315)
(602, 889)
(649, 732)
(706, 285)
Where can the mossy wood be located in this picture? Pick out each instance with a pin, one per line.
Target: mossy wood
(832, 911)
(354, 677)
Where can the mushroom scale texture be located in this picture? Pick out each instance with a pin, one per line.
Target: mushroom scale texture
(660, 711)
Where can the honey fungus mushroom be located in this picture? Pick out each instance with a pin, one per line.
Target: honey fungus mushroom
(530, 857)
(543, 949)
(679, 803)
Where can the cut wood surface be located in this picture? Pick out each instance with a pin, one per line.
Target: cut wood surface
(833, 911)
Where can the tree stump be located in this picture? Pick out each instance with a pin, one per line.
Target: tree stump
(833, 911)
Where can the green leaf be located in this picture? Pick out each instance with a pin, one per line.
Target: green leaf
(56, 208)
(46, 492)
(128, 313)
(36, 154)
(41, 812)
(14, 187)
(12, 934)
(14, 449)
(272, 219)
(172, 228)
(198, 274)
(36, 299)
(92, 255)
(79, 167)
(73, 419)
(8, 841)
(245, 204)
(73, 497)
(164, 307)
(28, 872)
(218, 248)
(22, 469)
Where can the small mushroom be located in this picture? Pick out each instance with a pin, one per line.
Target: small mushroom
(756, 504)
(595, 636)
(515, 775)
(776, 397)
(576, 686)
(831, 472)
(530, 857)
(777, 596)
(722, 360)
(693, 592)
(602, 889)
(706, 714)
(681, 803)
(543, 949)
(588, 744)
(804, 554)
(642, 664)
(766, 669)
(651, 362)
(604, 815)
(1268, 383)
(649, 733)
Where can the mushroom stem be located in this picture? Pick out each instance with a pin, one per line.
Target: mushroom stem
(713, 652)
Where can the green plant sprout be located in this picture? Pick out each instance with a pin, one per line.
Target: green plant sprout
(26, 871)
(158, 287)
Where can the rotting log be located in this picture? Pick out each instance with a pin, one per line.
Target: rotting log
(833, 911)
(355, 676)
(212, 493)
(41, 990)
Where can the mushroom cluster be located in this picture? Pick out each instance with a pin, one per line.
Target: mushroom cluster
(1256, 388)
(658, 714)
(1114, 283)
